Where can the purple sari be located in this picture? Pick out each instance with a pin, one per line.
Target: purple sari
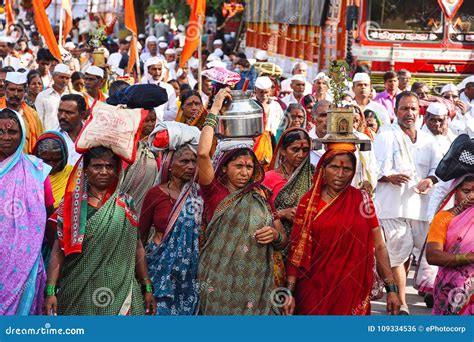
(454, 288)
(23, 219)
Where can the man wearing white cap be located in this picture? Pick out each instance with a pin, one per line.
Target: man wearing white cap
(150, 50)
(5, 58)
(468, 94)
(299, 68)
(153, 74)
(217, 44)
(94, 78)
(463, 122)
(321, 87)
(436, 124)
(407, 159)
(362, 88)
(298, 84)
(193, 66)
(47, 102)
(273, 113)
(162, 46)
(170, 57)
(15, 88)
(261, 56)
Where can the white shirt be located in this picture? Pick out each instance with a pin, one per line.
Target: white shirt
(168, 110)
(114, 59)
(443, 142)
(47, 80)
(466, 100)
(440, 191)
(47, 104)
(396, 154)
(462, 123)
(315, 155)
(73, 156)
(289, 99)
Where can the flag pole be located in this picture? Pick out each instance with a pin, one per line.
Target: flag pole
(137, 60)
(200, 25)
(61, 19)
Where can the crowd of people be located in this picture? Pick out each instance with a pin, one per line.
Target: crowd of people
(197, 224)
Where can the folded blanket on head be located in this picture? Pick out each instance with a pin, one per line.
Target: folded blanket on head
(147, 96)
(178, 134)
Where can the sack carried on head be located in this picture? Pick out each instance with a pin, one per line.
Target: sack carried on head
(458, 161)
(146, 96)
(114, 127)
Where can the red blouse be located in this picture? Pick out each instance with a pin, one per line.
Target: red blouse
(156, 209)
(212, 195)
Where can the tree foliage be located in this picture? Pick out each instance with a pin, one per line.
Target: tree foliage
(179, 9)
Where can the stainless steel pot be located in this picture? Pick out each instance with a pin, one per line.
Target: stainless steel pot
(242, 119)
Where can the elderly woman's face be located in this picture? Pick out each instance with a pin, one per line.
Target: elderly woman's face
(184, 167)
(10, 137)
(297, 117)
(53, 159)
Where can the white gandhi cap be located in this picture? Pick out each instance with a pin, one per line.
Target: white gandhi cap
(261, 55)
(263, 82)
(62, 69)
(437, 108)
(449, 87)
(16, 77)
(361, 76)
(96, 71)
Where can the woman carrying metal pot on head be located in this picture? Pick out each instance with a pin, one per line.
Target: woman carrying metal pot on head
(243, 231)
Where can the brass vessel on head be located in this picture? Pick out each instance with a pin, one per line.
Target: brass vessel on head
(341, 129)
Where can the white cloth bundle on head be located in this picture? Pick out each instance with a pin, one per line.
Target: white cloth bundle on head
(179, 134)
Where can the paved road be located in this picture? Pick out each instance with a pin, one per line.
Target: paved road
(415, 303)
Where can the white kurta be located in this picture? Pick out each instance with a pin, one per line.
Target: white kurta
(396, 154)
(47, 105)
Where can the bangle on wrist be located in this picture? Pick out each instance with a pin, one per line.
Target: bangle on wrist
(50, 290)
(462, 259)
(279, 239)
(147, 288)
(145, 281)
(391, 288)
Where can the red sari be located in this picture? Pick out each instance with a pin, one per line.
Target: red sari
(332, 251)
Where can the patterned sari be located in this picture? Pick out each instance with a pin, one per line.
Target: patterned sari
(173, 265)
(98, 274)
(299, 183)
(332, 250)
(23, 220)
(236, 274)
(454, 286)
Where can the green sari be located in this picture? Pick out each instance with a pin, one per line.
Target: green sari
(236, 274)
(98, 273)
(101, 279)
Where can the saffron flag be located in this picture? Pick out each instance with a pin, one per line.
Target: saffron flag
(9, 13)
(45, 29)
(193, 30)
(131, 25)
(67, 25)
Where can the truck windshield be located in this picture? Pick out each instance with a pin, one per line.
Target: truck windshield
(404, 21)
(461, 29)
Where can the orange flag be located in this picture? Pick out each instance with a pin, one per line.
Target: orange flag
(9, 13)
(67, 25)
(131, 25)
(45, 29)
(194, 29)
